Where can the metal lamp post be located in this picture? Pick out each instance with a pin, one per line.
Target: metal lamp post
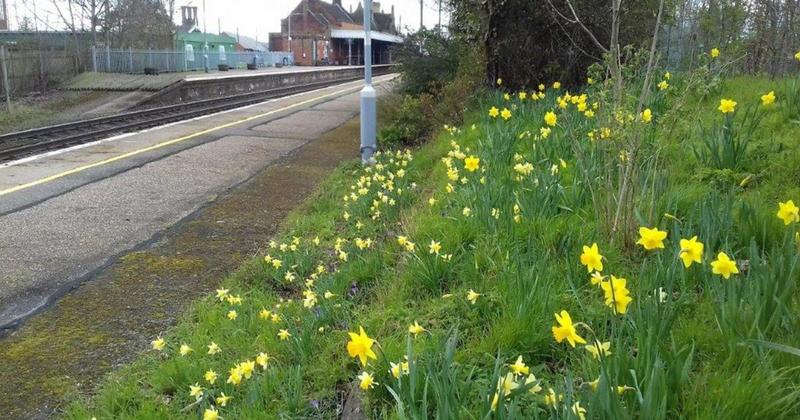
(368, 96)
(205, 39)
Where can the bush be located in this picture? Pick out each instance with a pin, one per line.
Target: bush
(408, 123)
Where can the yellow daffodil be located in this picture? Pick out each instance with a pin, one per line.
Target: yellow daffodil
(663, 85)
(415, 329)
(797, 56)
(473, 296)
(597, 349)
(519, 367)
(360, 346)
(158, 344)
(472, 163)
(264, 314)
(541, 87)
(768, 98)
(196, 391)
(223, 399)
(788, 212)
(213, 348)
(494, 112)
(506, 114)
(651, 238)
(579, 411)
(536, 388)
(185, 349)
(506, 96)
(691, 251)
(210, 376)
(591, 258)
(714, 52)
(284, 334)
(499, 81)
(466, 212)
(667, 75)
(398, 369)
(523, 96)
(247, 368)
(724, 266)
(593, 384)
(366, 381)
(544, 132)
(647, 115)
(507, 384)
(210, 414)
(550, 118)
(617, 295)
(232, 315)
(235, 375)
(566, 330)
(556, 85)
(552, 399)
(596, 278)
(495, 401)
(262, 360)
(223, 293)
(727, 106)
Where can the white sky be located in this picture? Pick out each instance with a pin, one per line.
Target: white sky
(252, 17)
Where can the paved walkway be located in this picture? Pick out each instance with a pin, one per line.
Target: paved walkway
(143, 224)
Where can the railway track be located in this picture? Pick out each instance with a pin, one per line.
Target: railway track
(25, 143)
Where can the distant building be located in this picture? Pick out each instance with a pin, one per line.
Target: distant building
(325, 33)
(190, 38)
(245, 43)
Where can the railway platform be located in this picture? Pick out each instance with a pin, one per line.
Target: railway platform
(68, 213)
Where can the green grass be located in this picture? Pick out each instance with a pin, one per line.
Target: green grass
(692, 353)
(26, 114)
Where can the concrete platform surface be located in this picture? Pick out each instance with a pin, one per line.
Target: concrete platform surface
(67, 214)
(129, 82)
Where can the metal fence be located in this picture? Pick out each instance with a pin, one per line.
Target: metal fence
(136, 61)
(37, 70)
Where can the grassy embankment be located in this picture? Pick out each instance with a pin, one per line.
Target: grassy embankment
(416, 237)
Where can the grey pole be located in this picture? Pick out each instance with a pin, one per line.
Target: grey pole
(6, 85)
(108, 58)
(94, 58)
(205, 39)
(368, 96)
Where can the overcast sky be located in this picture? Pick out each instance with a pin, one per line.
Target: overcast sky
(252, 17)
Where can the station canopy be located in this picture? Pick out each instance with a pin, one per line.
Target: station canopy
(352, 33)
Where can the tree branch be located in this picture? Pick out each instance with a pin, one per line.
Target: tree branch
(577, 20)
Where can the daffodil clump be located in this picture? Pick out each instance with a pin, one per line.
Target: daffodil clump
(479, 278)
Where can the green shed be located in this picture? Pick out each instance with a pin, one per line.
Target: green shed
(198, 39)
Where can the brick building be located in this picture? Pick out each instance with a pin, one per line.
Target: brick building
(325, 33)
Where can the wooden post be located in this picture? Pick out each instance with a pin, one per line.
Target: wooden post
(6, 85)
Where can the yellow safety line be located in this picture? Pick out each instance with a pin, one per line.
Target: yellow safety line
(164, 144)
